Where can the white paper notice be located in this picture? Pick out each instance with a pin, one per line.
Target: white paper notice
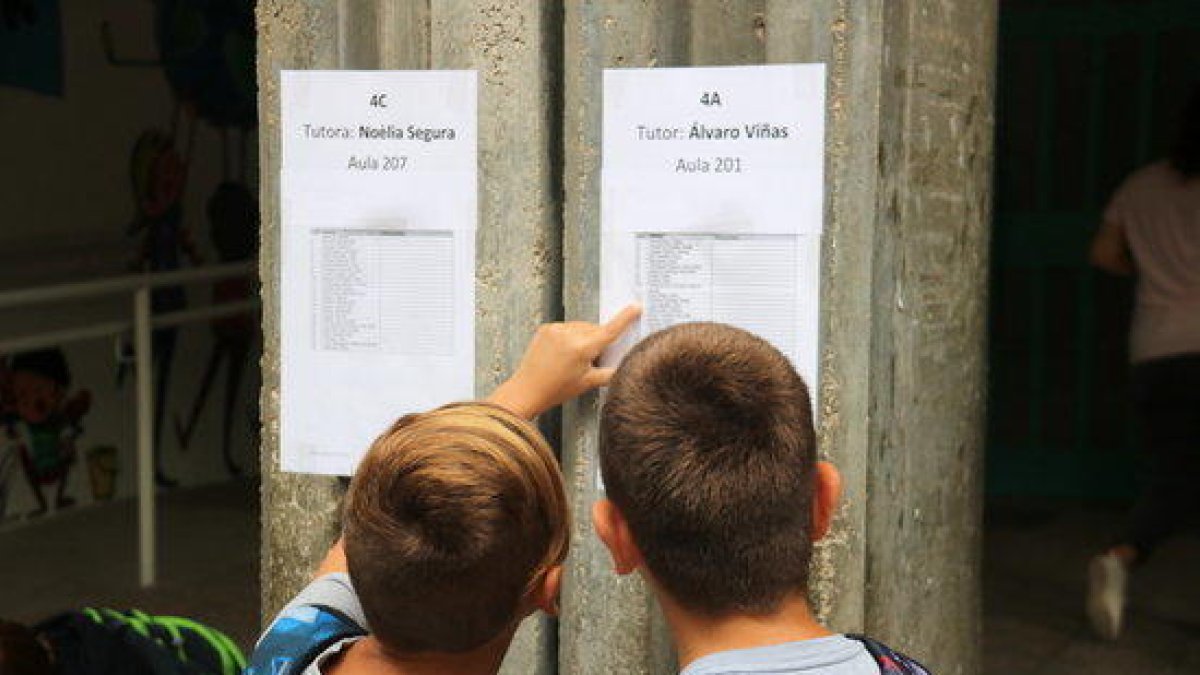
(378, 202)
(712, 201)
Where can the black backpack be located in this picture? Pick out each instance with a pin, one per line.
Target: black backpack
(890, 661)
(98, 641)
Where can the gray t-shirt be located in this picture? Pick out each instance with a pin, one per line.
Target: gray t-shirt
(1159, 210)
(833, 655)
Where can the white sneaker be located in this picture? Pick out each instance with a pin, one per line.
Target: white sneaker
(1107, 579)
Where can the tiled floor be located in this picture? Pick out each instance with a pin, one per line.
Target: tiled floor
(1034, 579)
(208, 564)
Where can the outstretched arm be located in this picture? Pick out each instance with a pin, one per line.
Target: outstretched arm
(1110, 250)
(560, 364)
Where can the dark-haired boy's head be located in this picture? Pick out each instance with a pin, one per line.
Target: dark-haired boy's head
(455, 526)
(1185, 155)
(708, 453)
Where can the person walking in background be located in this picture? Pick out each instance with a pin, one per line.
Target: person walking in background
(1151, 230)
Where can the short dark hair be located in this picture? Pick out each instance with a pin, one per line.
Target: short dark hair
(1185, 155)
(20, 651)
(50, 363)
(707, 448)
(453, 516)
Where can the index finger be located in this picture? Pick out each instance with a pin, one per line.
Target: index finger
(616, 326)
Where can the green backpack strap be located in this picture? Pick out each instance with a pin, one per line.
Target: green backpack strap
(177, 635)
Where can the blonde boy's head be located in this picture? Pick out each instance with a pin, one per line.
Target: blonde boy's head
(453, 518)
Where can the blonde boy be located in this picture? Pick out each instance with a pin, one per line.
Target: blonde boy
(455, 528)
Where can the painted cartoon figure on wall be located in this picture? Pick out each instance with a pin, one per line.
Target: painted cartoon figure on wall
(41, 423)
(8, 455)
(233, 216)
(159, 174)
(206, 50)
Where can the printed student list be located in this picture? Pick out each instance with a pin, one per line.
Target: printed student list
(383, 291)
(378, 211)
(704, 277)
(712, 200)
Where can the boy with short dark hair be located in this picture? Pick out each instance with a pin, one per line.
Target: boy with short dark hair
(715, 494)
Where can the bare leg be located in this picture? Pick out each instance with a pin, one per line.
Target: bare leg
(164, 352)
(1167, 393)
(34, 486)
(238, 351)
(183, 430)
(61, 500)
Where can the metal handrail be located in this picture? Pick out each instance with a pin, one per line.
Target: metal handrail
(129, 282)
(142, 326)
(111, 328)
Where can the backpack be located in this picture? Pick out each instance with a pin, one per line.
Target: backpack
(298, 637)
(301, 634)
(890, 661)
(98, 641)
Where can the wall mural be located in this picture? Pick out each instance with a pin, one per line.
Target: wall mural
(40, 422)
(233, 219)
(31, 45)
(207, 51)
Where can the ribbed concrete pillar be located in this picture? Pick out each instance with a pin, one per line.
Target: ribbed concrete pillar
(903, 276)
(909, 144)
(299, 513)
(514, 44)
(847, 37)
(609, 624)
(927, 362)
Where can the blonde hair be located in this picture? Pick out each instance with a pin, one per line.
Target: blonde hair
(453, 517)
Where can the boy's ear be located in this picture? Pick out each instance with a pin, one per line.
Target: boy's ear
(614, 531)
(546, 594)
(825, 499)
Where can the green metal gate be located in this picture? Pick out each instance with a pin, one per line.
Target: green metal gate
(1087, 91)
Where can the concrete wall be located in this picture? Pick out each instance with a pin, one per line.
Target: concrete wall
(67, 206)
(518, 274)
(610, 623)
(68, 181)
(928, 338)
(908, 166)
